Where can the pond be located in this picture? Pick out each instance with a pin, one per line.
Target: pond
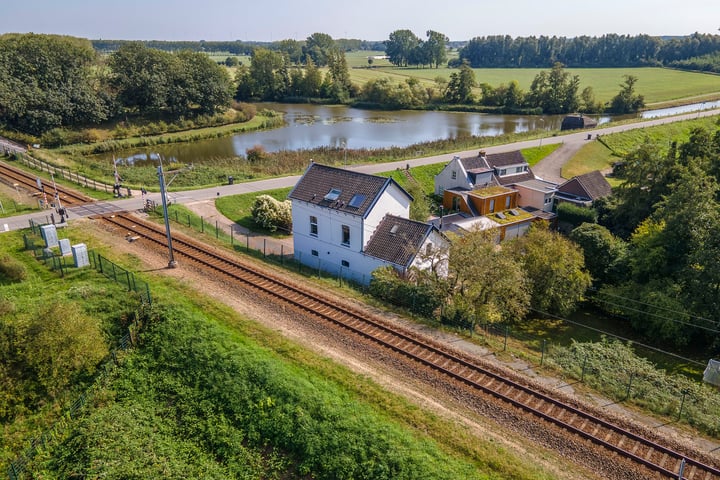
(340, 127)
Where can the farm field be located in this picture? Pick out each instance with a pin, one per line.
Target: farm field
(658, 85)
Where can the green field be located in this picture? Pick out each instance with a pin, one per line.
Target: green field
(658, 85)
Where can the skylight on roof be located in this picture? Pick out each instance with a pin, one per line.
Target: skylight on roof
(357, 200)
(333, 195)
(500, 215)
(514, 212)
(394, 229)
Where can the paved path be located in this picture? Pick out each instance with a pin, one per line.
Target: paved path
(550, 168)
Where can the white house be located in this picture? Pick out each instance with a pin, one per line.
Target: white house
(350, 223)
(470, 173)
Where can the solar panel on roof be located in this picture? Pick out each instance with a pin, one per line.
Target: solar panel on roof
(500, 215)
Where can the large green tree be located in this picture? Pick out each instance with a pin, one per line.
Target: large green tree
(400, 47)
(47, 81)
(140, 77)
(319, 46)
(488, 284)
(199, 86)
(555, 91)
(184, 83)
(604, 253)
(436, 46)
(338, 86)
(554, 268)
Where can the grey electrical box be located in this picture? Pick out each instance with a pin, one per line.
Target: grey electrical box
(80, 255)
(65, 247)
(49, 234)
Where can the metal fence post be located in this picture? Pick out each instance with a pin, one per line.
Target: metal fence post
(542, 355)
(682, 403)
(202, 225)
(264, 247)
(627, 392)
(217, 234)
(582, 374)
(507, 331)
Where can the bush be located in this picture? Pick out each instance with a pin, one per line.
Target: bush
(272, 214)
(11, 270)
(387, 285)
(575, 215)
(256, 154)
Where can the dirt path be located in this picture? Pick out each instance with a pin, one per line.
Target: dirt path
(550, 167)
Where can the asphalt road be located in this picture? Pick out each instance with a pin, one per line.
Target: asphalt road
(548, 169)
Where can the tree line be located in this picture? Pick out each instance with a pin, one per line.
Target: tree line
(49, 81)
(654, 250)
(609, 50)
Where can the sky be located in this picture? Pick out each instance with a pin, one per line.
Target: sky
(273, 20)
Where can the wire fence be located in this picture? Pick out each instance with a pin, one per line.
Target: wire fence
(617, 368)
(63, 263)
(267, 248)
(122, 276)
(64, 173)
(20, 465)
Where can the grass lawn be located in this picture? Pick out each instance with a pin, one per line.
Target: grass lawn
(14, 204)
(238, 207)
(534, 154)
(592, 156)
(657, 85)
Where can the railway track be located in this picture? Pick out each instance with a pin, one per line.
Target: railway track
(662, 461)
(28, 181)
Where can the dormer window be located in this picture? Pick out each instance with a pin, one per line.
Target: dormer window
(502, 172)
(333, 195)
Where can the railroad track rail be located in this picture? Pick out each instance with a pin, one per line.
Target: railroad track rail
(28, 181)
(664, 462)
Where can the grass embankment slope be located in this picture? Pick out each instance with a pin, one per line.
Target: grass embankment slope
(659, 86)
(601, 154)
(211, 394)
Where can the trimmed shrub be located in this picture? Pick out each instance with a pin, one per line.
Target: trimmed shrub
(575, 215)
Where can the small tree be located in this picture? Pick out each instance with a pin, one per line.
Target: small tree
(627, 101)
(272, 214)
(459, 88)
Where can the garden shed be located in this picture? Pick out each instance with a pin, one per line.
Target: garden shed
(577, 122)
